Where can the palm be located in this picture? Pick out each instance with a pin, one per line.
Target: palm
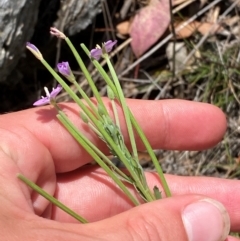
(36, 145)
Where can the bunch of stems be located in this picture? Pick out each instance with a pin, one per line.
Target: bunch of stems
(108, 130)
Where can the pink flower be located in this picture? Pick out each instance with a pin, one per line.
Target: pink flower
(49, 96)
(64, 69)
(96, 53)
(107, 47)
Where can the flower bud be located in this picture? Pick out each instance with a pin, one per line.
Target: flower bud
(66, 71)
(34, 50)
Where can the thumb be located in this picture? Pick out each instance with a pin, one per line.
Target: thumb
(182, 218)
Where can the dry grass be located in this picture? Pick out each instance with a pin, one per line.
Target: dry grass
(210, 74)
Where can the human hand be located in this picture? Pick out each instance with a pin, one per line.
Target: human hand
(35, 144)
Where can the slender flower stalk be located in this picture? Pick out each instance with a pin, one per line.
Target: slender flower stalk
(51, 198)
(54, 31)
(89, 113)
(91, 149)
(140, 178)
(132, 164)
(152, 155)
(86, 74)
(115, 87)
(135, 124)
(112, 97)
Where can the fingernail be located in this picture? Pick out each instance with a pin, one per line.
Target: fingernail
(206, 220)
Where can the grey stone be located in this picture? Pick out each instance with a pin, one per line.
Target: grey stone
(19, 17)
(75, 15)
(17, 21)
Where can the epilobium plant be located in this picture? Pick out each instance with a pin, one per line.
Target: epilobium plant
(98, 119)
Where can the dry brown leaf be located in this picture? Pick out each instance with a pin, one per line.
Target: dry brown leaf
(123, 27)
(213, 15)
(203, 28)
(230, 21)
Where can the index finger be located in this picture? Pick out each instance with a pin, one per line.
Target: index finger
(168, 124)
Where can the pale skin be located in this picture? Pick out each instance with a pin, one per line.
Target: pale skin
(34, 143)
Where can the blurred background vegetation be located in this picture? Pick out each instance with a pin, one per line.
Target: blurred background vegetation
(195, 57)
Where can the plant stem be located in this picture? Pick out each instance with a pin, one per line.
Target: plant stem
(135, 124)
(79, 137)
(152, 155)
(51, 198)
(87, 99)
(124, 107)
(86, 73)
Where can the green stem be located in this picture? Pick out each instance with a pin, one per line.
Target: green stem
(122, 100)
(83, 141)
(90, 115)
(86, 73)
(152, 155)
(72, 94)
(144, 188)
(99, 126)
(87, 112)
(51, 198)
(87, 99)
(121, 156)
(104, 157)
(135, 124)
(124, 107)
(115, 112)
